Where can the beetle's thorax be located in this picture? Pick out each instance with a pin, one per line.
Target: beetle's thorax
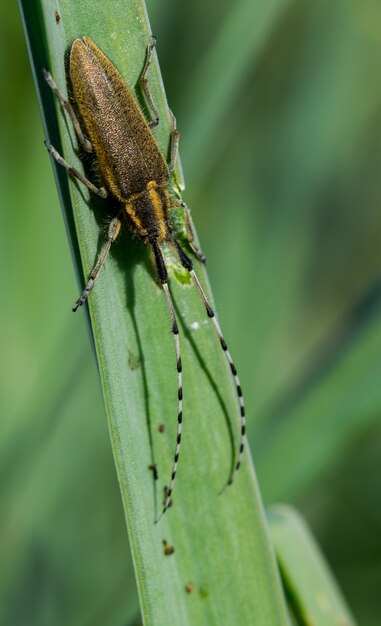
(149, 212)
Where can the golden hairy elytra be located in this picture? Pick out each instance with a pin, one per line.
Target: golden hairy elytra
(130, 162)
(134, 174)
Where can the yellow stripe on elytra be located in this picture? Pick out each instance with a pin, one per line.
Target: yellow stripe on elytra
(157, 205)
(130, 209)
(136, 219)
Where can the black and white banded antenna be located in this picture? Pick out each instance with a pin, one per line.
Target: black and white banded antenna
(163, 276)
(187, 263)
(162, 272)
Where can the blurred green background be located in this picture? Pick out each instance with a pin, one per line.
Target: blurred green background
(279, 105)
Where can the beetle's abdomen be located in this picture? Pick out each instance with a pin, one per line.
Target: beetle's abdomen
(149, 211)
(125, 148)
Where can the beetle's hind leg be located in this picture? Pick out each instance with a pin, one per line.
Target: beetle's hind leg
(84, 141)
(99, 191)
(144, 84)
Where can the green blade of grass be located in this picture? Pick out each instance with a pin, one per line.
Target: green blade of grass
(246, 32)
(51, 564)
(50, 399)
(313, 594)
(221, 542)
(343, 401)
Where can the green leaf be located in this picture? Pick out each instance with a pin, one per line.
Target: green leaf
(51, 573)
(221, 542)
(52, 563)
(312, 592)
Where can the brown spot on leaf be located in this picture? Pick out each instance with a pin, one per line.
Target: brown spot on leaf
(167, 548)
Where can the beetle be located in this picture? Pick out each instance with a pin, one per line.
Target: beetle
(110, 125)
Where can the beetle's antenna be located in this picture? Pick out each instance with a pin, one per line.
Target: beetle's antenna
(163, 276)
(187, 263)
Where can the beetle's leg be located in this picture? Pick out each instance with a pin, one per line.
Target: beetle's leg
(189, 230)
(144, 83)
(175, 138)
(175, 135)
(113, 232)
(99, 191)
(85, 143)
(190, 233)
